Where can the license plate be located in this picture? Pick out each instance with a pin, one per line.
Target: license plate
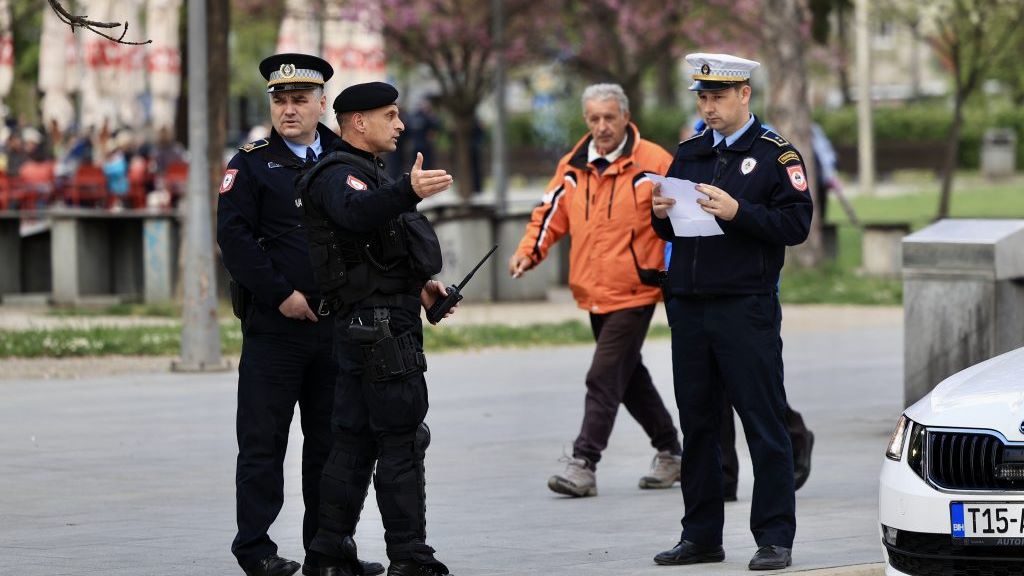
(1003, 521)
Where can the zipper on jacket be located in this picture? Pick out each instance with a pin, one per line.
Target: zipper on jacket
(587, 214)
(611, 197)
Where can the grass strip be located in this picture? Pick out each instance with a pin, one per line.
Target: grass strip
(166, 340)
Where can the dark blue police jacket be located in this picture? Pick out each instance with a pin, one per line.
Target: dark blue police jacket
(257, 200)
(766, 175)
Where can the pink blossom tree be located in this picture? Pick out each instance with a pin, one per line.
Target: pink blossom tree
(454, 40)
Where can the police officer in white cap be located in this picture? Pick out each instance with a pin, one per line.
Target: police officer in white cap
(723, 306)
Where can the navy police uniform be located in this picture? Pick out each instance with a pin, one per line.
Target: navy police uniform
(725, 318)
(363, 232)
(284, 361)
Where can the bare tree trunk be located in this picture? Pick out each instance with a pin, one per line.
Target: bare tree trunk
(952, 151)
(462, 140)
(788, 103)
(667, 86)
(843, 50)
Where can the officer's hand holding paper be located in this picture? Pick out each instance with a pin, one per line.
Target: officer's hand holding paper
(686, 215)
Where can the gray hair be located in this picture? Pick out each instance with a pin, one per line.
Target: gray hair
(606, 92)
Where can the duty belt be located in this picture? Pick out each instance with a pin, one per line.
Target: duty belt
(319, 306)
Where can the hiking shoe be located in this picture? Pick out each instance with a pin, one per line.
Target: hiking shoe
(665, 470)
(577, 480)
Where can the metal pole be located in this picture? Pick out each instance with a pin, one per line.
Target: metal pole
(200, 331)
(865, 132)
(499, 154)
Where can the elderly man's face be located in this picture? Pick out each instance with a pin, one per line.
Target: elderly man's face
(725, 110)
(383, 127)
(606, 122)
(295, 114)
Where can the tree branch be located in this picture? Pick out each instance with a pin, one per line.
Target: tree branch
(83, 22)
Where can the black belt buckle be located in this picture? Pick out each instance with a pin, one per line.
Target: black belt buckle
(323, 309)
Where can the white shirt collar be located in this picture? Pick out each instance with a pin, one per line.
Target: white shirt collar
(300, 149)
(732, 138)
(611, 156)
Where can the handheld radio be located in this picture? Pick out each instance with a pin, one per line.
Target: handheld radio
(441, 307)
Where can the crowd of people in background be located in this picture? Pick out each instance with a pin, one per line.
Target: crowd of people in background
(108, 169)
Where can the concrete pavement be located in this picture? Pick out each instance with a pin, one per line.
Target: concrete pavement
(133, 474)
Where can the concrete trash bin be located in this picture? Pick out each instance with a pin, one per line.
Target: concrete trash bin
(963, 298)
(999, 153)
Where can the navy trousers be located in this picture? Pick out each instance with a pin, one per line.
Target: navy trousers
(732, 344)
(284, 362)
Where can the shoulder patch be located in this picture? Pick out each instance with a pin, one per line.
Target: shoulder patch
(775, 138)
(254, 145)
(789, 156)
(228, 181)
(355, 183)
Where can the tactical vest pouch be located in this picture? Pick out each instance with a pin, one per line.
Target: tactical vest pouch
(391, 358)
(241, 299)
(424, 247)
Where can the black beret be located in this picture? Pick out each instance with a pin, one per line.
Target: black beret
(368, 96)
(295, 72)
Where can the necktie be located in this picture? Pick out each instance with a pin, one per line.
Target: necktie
(600, 164)
(310, 155)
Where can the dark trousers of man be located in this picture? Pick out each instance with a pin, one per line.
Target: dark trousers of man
(732, 344)
(377, 421)
(795, 427)
(617, 375)
(283, 362)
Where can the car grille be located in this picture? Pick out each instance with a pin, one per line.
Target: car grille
(967, 461)
(922, 554)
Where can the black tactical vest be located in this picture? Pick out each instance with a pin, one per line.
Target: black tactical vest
(350, 267)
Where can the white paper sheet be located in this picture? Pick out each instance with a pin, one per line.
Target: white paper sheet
(687, 217)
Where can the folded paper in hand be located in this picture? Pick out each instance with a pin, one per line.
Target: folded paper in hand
(687, 217)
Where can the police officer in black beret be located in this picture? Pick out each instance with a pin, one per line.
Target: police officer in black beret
(287, 336)
(373, 256)
(724, 312)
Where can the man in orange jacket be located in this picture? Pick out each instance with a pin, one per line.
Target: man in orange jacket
(601, 197)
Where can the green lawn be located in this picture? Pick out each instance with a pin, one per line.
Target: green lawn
(917, 203)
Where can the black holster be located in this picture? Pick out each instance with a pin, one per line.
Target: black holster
(241, 299)
(393, 357)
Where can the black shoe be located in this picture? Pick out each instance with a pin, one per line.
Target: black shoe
(369, 569)
(687, 552)
(771, 558)
(272, 565)
(414, 568)
(802, 462)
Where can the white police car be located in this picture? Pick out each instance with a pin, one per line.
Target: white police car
(951, 491)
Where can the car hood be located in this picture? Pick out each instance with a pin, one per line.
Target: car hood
(988, 395)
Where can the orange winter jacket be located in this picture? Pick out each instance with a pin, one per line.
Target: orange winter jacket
(604, 213)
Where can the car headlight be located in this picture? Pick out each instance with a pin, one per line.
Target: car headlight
(898, 439)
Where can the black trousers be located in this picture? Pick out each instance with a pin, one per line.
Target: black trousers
(617, 376)
(376, 422)
(795, 427)
(732, 344)
(284, 362)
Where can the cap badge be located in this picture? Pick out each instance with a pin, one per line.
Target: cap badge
(748, 166)
(705, 69)
(287, 70)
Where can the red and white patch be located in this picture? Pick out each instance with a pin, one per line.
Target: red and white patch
(228, 181)
(797, 178)
(355, 183)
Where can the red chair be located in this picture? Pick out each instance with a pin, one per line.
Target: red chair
(138, 178)
(176, 181)
(35, 184)
(88, 185)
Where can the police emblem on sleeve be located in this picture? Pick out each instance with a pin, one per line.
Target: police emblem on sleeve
(797, 178)
(355, 183)
(748, 166)
(228, 181)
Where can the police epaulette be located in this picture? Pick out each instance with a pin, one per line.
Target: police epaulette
(254, 145)
(694, 137)
(775, 138)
